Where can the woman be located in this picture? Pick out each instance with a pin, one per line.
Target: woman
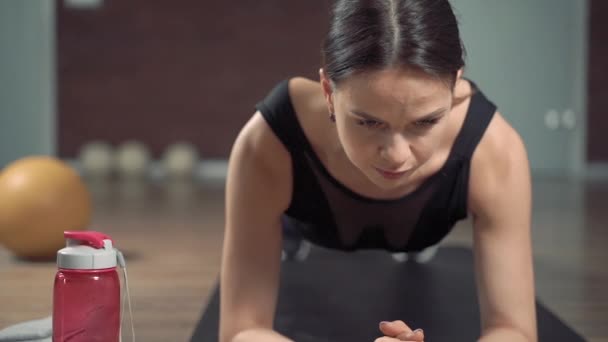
(388, 150)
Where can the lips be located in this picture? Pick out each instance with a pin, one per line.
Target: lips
(392, 174)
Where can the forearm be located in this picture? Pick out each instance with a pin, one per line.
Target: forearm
(260, 335)
(506, 334)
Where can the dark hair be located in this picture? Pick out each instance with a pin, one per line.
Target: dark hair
(370, 35)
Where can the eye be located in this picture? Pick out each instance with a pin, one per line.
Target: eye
(369, 123)
(427, 122)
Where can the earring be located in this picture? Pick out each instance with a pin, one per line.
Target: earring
(332, 117)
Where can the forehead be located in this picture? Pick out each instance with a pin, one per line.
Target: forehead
(398, 87)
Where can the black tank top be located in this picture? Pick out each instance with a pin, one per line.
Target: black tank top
(331, 215)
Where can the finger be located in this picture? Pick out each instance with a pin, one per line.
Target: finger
(416, 335)
(394, 328)
(391, 339)
(387, 339)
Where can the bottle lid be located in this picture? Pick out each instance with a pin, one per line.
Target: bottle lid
(87, 250)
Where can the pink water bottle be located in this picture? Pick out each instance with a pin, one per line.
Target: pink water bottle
(86, 298)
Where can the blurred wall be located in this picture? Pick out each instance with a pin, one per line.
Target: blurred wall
(27, 79)
(529, 57)
(162, 71)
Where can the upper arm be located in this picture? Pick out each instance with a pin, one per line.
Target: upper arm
(258, 191)
(500, 200)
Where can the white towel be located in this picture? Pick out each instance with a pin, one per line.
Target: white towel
(39, 330)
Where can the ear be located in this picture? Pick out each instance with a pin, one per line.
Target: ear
(459, 74)
(328, 90)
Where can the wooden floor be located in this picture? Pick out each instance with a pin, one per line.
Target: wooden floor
(171, 235)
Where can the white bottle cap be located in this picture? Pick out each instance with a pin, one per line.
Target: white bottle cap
(85, 257)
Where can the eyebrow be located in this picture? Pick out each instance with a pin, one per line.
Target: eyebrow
(432, 115)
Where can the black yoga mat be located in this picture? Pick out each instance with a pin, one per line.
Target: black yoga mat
(336, 296)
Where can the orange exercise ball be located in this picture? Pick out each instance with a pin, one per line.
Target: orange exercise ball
(40, 198)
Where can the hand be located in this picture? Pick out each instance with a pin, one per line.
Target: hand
(399, 331)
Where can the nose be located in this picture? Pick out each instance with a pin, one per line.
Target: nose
(395, 152)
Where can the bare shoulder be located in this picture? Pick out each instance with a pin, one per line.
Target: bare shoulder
(303, 89)
(306, 97)
(259, 137)
(258, 156)
(257, 144)
(500, 161)
(311, 110)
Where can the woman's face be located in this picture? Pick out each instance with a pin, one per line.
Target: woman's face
(390, 122)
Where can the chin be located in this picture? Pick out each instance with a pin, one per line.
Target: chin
(388, 184)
